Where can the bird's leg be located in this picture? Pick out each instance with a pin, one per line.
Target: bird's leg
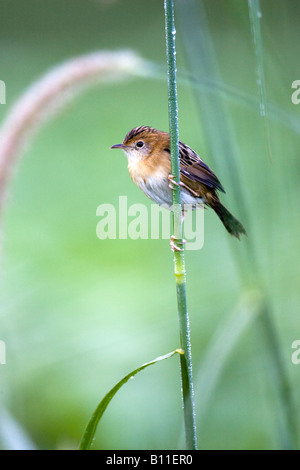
(174, 242)
(174, 245)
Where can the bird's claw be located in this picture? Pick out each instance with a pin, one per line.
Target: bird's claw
(174, 242)
(173, 183)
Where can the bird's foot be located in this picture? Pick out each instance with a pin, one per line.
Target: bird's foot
(173, 183)
(174, 242)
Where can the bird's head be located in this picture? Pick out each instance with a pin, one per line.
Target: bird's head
(140, 142)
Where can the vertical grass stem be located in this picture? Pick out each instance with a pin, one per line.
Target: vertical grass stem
(179, 262)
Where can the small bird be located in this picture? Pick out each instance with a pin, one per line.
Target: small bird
(149, 164)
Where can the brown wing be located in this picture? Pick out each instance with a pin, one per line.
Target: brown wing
(193, 168)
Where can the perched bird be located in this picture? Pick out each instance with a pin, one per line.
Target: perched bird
(149, 164)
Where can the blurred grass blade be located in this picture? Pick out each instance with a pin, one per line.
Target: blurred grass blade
(13, 436)
(90, 430)
(283, 391)
(228, 334)
(226, 92)
(255, 18)
(215, 117)
(202, 64)
(221, 137)
(237, 96)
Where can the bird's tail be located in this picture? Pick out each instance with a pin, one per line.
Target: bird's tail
(232, 225)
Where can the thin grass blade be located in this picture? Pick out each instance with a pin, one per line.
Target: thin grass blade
(90, 430)
(255, 20)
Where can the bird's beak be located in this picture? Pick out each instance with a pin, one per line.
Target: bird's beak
(119, 146)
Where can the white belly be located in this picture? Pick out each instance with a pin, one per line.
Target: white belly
(160, 192)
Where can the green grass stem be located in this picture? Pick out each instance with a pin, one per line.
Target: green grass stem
(179, 262)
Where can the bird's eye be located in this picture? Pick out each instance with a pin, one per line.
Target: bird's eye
(140, 144)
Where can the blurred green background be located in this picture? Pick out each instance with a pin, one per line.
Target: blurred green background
(77, 313)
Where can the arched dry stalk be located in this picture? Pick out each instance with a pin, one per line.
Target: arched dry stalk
(51, 92)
